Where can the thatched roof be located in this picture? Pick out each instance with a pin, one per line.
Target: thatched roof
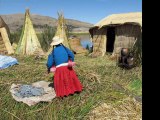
(117, 19)
(3, 24)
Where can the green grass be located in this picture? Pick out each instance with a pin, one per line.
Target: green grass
(99, 76)
(136, 87)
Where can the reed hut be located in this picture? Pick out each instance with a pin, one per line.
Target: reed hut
(5, 45)
(28, 43)
(61, 31)
(76, 46)
(115, 32)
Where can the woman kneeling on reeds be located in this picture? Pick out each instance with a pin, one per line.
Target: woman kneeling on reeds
(65, 80)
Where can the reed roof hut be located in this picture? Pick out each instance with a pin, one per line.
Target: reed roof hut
(5, 45)
(115, 32)
(61, 31)
(28, 43)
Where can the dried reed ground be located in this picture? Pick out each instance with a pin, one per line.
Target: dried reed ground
(104, 85)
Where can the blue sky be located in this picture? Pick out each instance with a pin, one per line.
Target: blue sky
(84, 10)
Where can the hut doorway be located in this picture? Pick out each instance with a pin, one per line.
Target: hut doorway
(110, 39)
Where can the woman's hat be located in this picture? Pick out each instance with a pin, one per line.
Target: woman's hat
(56, 40)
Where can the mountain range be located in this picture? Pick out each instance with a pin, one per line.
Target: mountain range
(16, 21)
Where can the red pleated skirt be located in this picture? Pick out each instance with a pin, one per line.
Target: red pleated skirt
(66, 82)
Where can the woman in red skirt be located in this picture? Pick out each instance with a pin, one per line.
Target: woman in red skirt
(65, 80)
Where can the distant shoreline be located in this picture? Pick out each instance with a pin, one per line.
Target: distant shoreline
(78, 33)
(71, 33)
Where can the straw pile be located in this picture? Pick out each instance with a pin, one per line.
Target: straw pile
(128, 109)
(76, 46)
